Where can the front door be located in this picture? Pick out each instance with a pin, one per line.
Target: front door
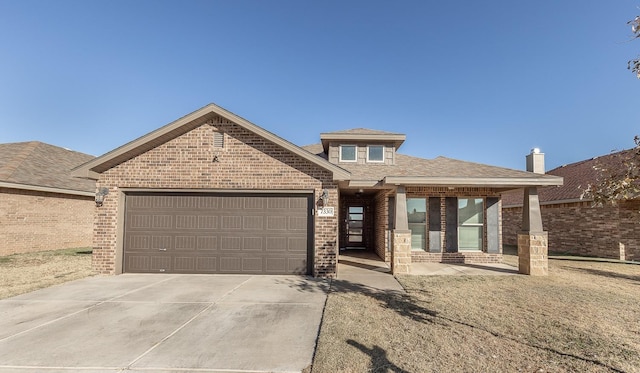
(355, 226)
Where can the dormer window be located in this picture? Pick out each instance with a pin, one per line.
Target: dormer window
(348, 153)
(375, 153)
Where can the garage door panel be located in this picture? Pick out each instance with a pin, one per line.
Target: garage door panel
(231, 223)
(253, 203)
(184, 264)
(297, 223)
(161, 242)
(160, 263)
(297, 244)
(206, 264)
(295, 265)
(253, 222)
(139, 242)
(219, 233)
(185, 243)
(208, 243)
(231, 243)
(277, 223)
(275, 244)
(207, 222)
(252, 265)
(252, 243)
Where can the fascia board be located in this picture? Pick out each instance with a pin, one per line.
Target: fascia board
(470, 181)
(37, 188)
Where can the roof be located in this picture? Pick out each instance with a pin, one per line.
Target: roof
(409, 170)
(362, 134)
(577, 176)
(38, 166)
(93, 168)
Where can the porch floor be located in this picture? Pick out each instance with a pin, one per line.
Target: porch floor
(367, 263)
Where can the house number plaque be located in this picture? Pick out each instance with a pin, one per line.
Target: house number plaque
(326, 211)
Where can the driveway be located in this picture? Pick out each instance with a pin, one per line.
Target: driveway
(164, 323)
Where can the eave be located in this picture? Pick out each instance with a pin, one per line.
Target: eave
(505, 183)
(38, 188)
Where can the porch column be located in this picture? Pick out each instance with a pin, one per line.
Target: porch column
(533, 241)
(401, 236)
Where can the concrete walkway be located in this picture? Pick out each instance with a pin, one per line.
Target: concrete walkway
(365, 267)
(164, 323)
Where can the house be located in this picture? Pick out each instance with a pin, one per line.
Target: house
(214, 193)
(574, 225)
(42, 207)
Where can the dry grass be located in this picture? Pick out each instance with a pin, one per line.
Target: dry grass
(22, 273)
(583, 317)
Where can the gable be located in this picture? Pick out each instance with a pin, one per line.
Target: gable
(192, 160)
(186, 124)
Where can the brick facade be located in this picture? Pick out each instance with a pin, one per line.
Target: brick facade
(37, 221)
(246, 162)
(382, 245)
(580, 229)
(382, 239)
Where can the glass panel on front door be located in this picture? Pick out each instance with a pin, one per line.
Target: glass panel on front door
(355, 226)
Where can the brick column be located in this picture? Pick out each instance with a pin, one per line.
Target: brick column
(400, 252)
(533, 253)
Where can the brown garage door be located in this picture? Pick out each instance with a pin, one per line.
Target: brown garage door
(217, 233)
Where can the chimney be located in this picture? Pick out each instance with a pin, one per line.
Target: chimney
(535, 161)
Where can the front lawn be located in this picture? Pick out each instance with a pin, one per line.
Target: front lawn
(583, 317)
(22, 273)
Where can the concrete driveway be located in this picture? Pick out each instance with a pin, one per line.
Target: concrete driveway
(164, 323)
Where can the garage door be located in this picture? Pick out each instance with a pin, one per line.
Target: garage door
(217, 233)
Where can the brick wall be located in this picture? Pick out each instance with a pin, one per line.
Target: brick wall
(37, 221)
(246, 161)
(580, 229)
(459, 257)
(381, 225)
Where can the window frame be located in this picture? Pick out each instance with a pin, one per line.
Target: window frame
(480, 225)
(425, 232)
(355, 153)
(369, 160)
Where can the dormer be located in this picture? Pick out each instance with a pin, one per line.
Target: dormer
(361, 146)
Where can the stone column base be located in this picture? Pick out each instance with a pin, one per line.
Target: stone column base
(400, 252)
(533, 253)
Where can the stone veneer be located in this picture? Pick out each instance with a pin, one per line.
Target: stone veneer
(246, 162)
(401, 252)
(532, 253)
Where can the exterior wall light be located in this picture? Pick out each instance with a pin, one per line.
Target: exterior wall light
(100, 194)
(324, 199)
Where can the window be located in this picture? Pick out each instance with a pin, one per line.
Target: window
(348, 153)
(417, 218)
(375, 153)
(470, 223)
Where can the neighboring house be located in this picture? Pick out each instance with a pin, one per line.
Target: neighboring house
(214, 193)
(575, 226)
(42, 207)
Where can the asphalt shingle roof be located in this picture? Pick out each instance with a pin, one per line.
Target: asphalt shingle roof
(38, 164)
(577, 176)
(414, 166)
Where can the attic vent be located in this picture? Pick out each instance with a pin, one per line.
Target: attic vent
(218, 140)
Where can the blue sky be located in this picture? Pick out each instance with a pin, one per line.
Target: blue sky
(479, 81)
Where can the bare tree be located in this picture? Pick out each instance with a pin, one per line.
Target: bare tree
(634, 65)
(618, 178)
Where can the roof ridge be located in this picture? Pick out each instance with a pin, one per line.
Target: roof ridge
(8, 169)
